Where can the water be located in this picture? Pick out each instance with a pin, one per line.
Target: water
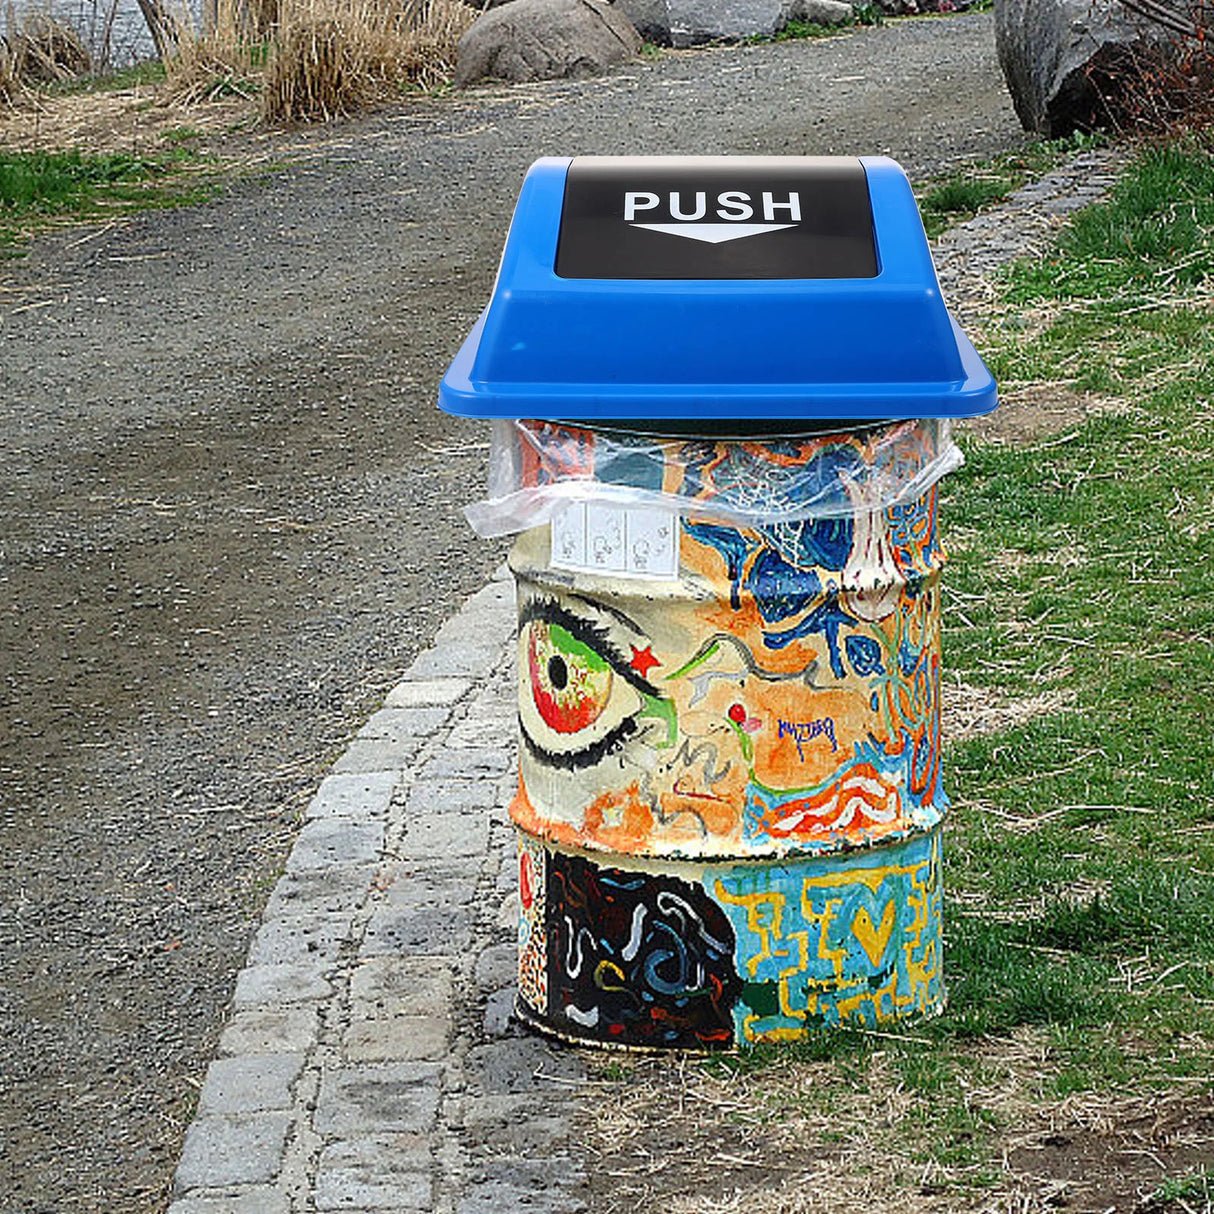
(113, 30)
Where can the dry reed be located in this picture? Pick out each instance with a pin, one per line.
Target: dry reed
(220, 61)
(332, 57)
(10, 82)
(39, 50)
(314, 60)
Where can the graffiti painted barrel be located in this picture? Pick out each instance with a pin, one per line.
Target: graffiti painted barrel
(729, 805)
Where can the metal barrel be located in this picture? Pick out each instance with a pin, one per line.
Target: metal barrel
(729, 806)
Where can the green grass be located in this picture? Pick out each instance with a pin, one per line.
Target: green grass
(868, 14)
(137, 75)
(796, 31)
(1086, 839)
(1196, 1190)
(181, 136)
(1152, 236)
(1079, 880)
(39, 189)
(805, 29)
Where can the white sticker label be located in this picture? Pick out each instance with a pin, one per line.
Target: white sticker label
(605, 538)
(594, 537)
(569, 537)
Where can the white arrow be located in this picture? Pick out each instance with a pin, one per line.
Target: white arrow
(714, 233)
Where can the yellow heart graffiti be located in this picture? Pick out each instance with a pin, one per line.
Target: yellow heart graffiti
(874, 939)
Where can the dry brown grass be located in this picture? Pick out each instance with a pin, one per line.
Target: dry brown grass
(795, 1137)
(296, 60)
(313, 60)
(969, 712)
(39, 50)
(852, 1136)
(331, 57)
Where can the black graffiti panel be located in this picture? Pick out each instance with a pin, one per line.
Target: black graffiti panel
(637, 959)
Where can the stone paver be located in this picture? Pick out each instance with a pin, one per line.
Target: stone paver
(371, 1061)
(366, 1098)
(379, 1173)
(967, 255)
(365, 794)
(328, 841)
(260, 986)
(300, 938)
(404, 986)
(423, 692)
(250, 1084)
(273, 1030)
(342, 1080)
(413, 1038)
(261, 1199)
(223, 1151)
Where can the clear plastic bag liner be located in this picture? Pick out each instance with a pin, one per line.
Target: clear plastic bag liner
(538, 467)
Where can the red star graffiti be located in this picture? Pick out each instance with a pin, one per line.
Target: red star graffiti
(643, 660)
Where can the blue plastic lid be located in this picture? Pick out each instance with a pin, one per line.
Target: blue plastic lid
(711, 288)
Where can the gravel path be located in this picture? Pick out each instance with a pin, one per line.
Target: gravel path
(230, 522)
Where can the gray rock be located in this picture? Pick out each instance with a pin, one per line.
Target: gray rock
(1046, 48)
(697, 21)
(545, 40)
(684, 23)
(651, 18)
(819, 12)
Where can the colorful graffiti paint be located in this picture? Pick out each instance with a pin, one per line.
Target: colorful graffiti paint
(709, 956)
(636, 958)
(769, 717)
(854, 941)
(780, 696)
(533, 930)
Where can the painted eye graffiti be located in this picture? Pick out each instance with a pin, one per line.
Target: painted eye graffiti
(570, 683)
(580, 697)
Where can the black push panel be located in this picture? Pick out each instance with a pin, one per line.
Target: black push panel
(716, 217)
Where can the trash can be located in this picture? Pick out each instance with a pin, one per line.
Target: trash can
(721, 391)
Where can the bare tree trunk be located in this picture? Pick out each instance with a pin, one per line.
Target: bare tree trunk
(162, 25)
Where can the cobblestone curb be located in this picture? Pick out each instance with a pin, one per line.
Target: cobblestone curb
(370, 1062)
(968, 255)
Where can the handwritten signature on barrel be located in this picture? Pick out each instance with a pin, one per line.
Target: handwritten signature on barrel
(805, 731)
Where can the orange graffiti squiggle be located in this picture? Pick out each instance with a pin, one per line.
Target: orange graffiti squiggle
(553, 453)
(861, 800)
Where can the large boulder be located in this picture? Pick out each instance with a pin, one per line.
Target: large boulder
(691, 22)
(545, 40)
(1053, 52)
(696, 21)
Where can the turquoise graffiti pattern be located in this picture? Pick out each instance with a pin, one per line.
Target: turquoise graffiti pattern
(823, 943)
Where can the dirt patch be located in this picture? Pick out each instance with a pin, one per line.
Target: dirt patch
(674, 1136)
(970, 712)
(854, 1134)
(1031, 412)
(1112, 1155)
